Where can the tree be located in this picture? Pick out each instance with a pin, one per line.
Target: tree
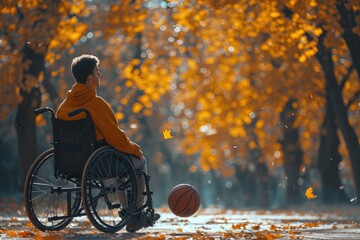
(325, 58)
(293, 154)
(213, 68)
(30, 31)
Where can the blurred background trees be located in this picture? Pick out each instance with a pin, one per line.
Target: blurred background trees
(262, 97)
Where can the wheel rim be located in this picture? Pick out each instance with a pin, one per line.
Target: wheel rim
(43, 202)
(99, 192)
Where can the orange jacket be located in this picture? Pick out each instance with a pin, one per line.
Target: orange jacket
(106, 127)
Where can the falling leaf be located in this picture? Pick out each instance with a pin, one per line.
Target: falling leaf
(309, 193)
(167, 134)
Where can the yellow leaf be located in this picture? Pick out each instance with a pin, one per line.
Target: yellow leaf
(135, 61)
(309, 193)
(11, 233)
(117, 89)
(137, 107)
(252, 144)
(129, 83)
(260, 123)
(167, 134)
(77, 8)
(193, 169)
(318, 31)
(302, 58)
(41, 76)
(239, 226)
(119, 116)
(8, 10)
(40, 121)
(274, 14)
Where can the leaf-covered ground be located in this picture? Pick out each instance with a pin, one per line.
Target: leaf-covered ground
(212, 223)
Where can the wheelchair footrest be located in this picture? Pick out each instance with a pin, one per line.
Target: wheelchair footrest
(113, 206)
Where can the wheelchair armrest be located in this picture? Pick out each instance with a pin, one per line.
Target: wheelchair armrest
(78, 111)
(45, 109)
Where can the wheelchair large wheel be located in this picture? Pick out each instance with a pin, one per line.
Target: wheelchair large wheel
(109, 189)
(46, 204)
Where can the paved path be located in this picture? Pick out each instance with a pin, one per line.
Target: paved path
(209, 224)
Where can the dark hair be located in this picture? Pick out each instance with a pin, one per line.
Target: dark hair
(83, 66)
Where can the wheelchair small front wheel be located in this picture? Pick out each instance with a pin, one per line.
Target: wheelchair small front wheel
(45, 203)
(109, 189)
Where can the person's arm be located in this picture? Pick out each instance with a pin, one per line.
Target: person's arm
(104, 119)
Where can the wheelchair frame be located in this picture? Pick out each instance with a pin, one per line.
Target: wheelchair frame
(76, 196)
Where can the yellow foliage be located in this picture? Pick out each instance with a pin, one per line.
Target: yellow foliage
(221, 61)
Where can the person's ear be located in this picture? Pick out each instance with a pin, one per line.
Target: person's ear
(89, 80)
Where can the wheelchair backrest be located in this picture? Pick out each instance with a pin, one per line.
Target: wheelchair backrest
(74, 142)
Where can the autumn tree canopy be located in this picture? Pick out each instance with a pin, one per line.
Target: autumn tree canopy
(217, 73)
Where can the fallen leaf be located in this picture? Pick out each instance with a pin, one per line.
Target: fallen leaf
(311, 224)
(29, 224)
(273, 227)
(25, 234)
(11, 233)
(239, 226)
(255, 227)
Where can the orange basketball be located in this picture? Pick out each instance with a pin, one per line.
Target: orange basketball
(184, 200)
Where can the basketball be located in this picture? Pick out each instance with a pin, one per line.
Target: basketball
(184, 200)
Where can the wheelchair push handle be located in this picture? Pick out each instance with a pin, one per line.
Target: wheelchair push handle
(78, 111)
(70, 114)
(43, 110)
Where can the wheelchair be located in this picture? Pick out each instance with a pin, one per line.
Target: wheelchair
(80, 176)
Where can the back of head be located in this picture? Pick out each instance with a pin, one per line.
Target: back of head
(83, 66)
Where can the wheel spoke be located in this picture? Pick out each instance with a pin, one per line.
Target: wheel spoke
(41, 203)
(108, 171)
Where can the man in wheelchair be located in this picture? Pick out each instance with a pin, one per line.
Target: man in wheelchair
(85, 70)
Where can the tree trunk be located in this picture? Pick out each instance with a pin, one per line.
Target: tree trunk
(293, 155)
(324, 57)
(25, 117)
(329, 159)
(263, 179)
(261, 170)
(348, 22)
(247, 183)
